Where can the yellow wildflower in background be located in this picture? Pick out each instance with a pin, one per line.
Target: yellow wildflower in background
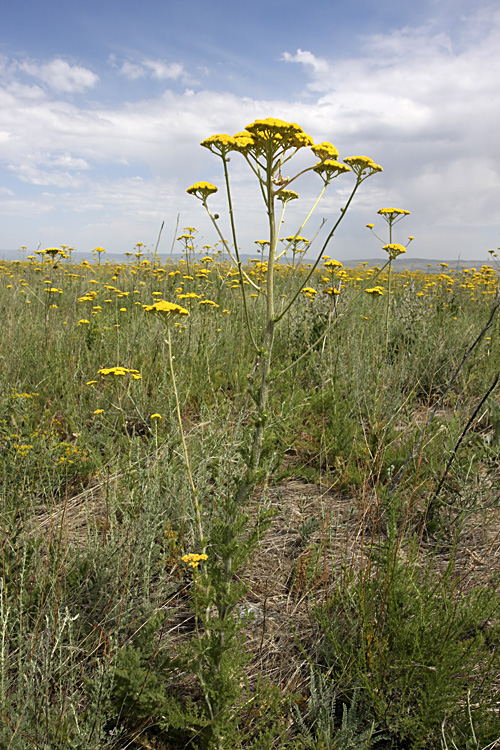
(120, 371)
(193, 560)
(166, 310)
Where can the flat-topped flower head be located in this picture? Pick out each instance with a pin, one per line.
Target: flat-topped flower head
(389, 214)
(52, 251)
(277, 134)
(287, 195)
(375, 290)
(168, 311)
(330, 168)
(363, 166)
(330, 263)
(193, 560)
(243, 141)
(325, 150)
(119, 372)
(202, 190)
(393, 250)
(220, 144)
(297, 238)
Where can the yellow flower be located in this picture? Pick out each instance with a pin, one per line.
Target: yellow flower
(287, 134)
(119, 371)
(333, 264)
(375, 290)
(166, 310)
(363, 166)
(329, 169)
(193, 560)
(325, 150)
(156, 416)
(219, 144)
(83, 322)
(99, 411)
(202, 190)
(388, 212)
(208, 302)
(297, 238)
(394, 249)
(91, 382)
(287, 195)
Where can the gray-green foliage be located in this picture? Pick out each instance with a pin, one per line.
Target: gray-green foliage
(328, 723)
(409, 641)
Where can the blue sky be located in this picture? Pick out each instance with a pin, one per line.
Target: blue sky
(103, 105)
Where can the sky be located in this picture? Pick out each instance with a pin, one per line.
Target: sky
(103, 105)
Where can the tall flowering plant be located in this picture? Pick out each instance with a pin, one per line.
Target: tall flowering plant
(268, 146)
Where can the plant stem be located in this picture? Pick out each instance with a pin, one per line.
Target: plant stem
(194, 491)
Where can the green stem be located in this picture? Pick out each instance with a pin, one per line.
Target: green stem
(325, 245)
(194, 491)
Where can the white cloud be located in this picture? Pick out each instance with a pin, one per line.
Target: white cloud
(418, 101)
(60, 75)
(318, 65)
(159, 70)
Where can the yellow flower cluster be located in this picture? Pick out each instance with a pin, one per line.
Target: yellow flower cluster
(166, 310)
(119, 371)
(202, 190)
(325, 151)
(193, 560)
(392, 212)
(394, 249)
(330, 168)
(363, 166)
(287, 195)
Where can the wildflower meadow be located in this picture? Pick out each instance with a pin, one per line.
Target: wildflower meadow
(250, 496)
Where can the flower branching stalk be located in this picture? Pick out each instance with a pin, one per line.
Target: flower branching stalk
(393, 250)
(267, 146)
(168, 312)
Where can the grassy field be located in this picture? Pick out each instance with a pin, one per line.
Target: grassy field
(361, 606)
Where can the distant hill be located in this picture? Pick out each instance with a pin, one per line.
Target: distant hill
(419, 264)
(402, 263)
